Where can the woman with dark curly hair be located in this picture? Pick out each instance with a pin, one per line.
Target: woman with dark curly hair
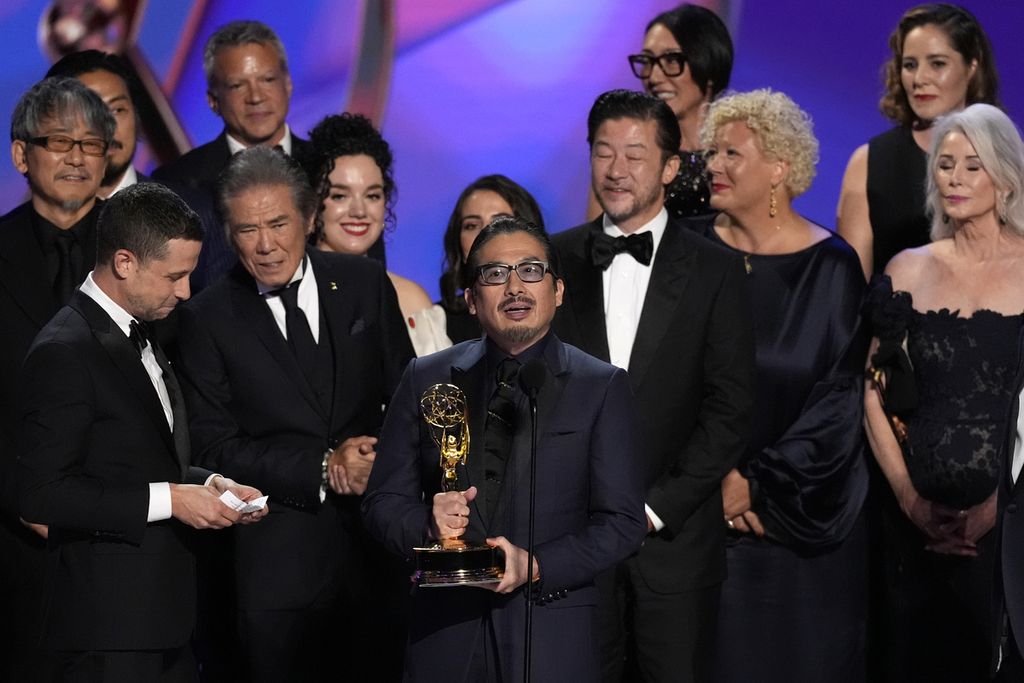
(351, 173)
(483, 200)
(941, 62)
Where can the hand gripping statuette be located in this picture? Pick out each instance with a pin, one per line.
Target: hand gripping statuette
(452, 561)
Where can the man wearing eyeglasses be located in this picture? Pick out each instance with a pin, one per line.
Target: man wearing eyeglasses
(60, 132)
(649, 295)
(589, 503)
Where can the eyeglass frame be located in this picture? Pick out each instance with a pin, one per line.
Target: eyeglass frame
(645, 60)
(44, 142)
(545, 269)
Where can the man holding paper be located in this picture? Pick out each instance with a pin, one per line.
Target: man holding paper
(104, 455)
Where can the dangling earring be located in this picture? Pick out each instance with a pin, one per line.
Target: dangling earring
(1001, 210)
(945, 218)
(773, 207)
(1002, 219)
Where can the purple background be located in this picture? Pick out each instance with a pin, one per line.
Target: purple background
(485, 86)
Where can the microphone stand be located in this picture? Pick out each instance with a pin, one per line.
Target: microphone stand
(529, 543)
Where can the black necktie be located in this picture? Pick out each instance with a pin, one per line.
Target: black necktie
(604, 248)
(64, 283)
(498, 432)
(300, 338)
(138, 335)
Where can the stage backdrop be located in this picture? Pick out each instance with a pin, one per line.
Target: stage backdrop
(492, 86)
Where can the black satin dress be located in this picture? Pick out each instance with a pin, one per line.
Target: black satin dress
(897, 173)
(936, 612)
(793, 605)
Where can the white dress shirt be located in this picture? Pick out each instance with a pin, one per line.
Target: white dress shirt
(129, 178)
(625, 289)
(234, 146)
(159, 492)
(308, 300)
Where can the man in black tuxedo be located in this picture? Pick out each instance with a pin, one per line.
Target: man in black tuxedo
(110, 77)
(668, 306)
(589, 502)
(1008, 606)
(47, 246)
(249, 88)
(286, 365)
(104, 455)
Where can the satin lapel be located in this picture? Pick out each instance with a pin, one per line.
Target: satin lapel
(182, 445)
(337, 309)
(586, 287)
(467, 373)
(126, 358)
(250, 307)
(547, 401)
(23, 269)
(673, 265)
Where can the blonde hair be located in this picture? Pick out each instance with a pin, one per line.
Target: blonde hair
(784, 131)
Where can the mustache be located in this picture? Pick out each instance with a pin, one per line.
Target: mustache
(512, 300)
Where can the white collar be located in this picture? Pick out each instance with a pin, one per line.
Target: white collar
(121, 317)
(234, 146)
(656, 226)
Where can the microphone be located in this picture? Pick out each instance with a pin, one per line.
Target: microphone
(531, 378)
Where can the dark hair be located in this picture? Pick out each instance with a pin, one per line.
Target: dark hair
(143, 218)
(260, 166)
(342, 135)
(965, 36)
(523, 206)
(704, 39)
(64, 99)
(237, 34)
(632, 104)
(75, 64)
(507, 225)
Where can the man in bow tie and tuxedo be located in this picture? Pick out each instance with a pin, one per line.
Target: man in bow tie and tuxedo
(287, 362)
(648, 295)
(589, 510)
(105, 457)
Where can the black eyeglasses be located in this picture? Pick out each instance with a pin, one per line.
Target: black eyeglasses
(499, 273)
(93, 147)
(671, 63)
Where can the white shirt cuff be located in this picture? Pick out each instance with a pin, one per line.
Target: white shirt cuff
(209, 479)
(159, 502)
(655, 519)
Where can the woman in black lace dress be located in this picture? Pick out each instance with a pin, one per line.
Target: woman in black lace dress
(956, 306)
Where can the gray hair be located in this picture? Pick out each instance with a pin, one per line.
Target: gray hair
(998, 145)
(236, 34)
(65, 100)
(263, 167)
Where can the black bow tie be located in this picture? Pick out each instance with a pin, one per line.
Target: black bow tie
(604, 248)
(138, 335)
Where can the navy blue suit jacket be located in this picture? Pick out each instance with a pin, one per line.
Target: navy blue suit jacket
(589, 512)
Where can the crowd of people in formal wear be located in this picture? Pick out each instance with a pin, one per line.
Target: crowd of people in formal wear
(708, 439)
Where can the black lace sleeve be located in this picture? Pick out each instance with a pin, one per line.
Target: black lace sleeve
(889, 314)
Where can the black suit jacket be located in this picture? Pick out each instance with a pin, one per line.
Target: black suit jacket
(255, 418)
(94, 436)
(692, 371)
(589, 511)
(1009, 584)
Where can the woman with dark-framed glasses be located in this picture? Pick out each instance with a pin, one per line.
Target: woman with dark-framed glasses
(686, 61)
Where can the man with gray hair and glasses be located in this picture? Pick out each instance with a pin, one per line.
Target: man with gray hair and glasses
(60, 133)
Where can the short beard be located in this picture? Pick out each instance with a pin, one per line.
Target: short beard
(114, 173)
(641, 205)
(520, 334)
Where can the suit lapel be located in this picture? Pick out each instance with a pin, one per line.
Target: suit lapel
(467, 373)
(127, 360)
(586, 286)
(337, 311)
(23, 269)
(182, 445)
(670, 274)
(249, 306)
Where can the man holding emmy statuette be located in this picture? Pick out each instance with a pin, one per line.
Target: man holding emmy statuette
(467, 432)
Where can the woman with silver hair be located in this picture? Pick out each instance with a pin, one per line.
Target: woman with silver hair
(947, 317)
(793, 605)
